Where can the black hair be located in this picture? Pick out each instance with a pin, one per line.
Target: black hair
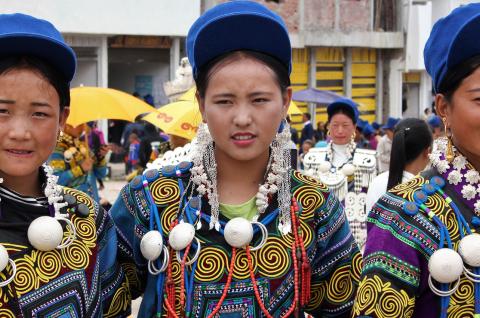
(342, 109)
(308, 115)
(411, 137)
(51, 74)
(279, 69)
(452, 80)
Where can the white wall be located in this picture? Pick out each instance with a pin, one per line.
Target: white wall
(135, 17)
(125, 64)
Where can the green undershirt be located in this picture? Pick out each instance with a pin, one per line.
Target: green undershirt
(245, 210)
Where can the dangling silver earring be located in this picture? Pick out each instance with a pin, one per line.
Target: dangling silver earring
(281, 165)
(204, 171)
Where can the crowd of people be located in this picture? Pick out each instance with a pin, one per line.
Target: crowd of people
(369, 220)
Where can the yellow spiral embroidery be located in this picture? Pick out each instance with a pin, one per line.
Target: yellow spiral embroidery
(450, 221)
(462, 301)
(131, 273)
(273, 258)
(176, 271)
(378, 298)
(211, 264)
(168, 216)
(120, 302)
(357, 265)
(309, 181)
(240, 269)
(317, 295)
(407, 189)
(49, 264)
(310, 200)
(26, 279)
(165, 191)
(76, 256)
(340, 287)
(5, 313)
(86, 230)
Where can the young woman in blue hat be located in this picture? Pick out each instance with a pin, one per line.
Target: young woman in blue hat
(343, 166)
(422, 257)
(57, 247)
(237, 232)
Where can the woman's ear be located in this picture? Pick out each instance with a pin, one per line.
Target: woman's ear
(441, 105)
(287, 98)
(201, 106)
(63, 117)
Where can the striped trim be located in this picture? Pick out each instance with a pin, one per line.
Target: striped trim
(14, 196)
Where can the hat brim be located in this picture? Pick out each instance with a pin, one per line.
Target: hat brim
(335, 105)
(57, 54)
(255, 32)
(465, 44)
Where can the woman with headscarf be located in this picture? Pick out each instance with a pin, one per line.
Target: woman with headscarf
(57, 246)
(345, 168)
(237, 232)
(422, 254)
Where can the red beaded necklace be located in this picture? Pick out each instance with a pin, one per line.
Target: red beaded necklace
(299, 258)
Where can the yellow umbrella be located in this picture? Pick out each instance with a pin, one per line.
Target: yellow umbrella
(190, 96)
(179, 118)
(93, 103)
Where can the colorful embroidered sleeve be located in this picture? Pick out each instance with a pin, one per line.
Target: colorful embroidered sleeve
(131, 225)
(337, 263)
(113, 286)
(391, 277)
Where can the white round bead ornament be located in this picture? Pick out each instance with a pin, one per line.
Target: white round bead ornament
(238, 233)
(151, 245)
(324, 166)
(4, 260)
(348, 169)
(469, 249)
(445, 265)
(180, 237)
(45, 233)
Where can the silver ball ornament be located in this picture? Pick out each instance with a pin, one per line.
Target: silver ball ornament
(45, 233)
(324, 166)
(445, 265)
(151, 245)
(3, 258)
(181, 236)
(348, 169)
(238, 232)
(469, 249)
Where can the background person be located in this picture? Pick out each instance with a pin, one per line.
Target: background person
(411, 145)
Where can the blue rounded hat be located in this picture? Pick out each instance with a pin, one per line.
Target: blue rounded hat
(346, 103)
(391, 123)
(368, 129)
(453, 39)
(21, 34)
(435, 121)
(237, 25)
(375, 125)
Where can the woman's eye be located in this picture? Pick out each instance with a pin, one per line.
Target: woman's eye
(3, 111)
(222, 101)
(261, 100)
(40, 114)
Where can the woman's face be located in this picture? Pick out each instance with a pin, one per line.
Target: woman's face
(463, 116)
(341, 129)
(30, 120)
(243, 107)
